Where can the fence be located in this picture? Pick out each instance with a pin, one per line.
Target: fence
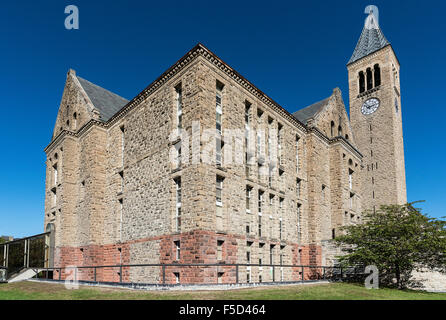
(168, 274)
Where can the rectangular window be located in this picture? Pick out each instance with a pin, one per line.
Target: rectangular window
(260, 200)
(297, 153)
(279, 141)
(299, 217)
(220, 250)
(260, 224)
(248, 257)
(218, 106)
(248, 199)
(219, 191)
(350, 178)
(178, 155)
(55, 174)
(177, 250)
(271, 254)
(270, 177)
(177, 277)
(280, 228)
(298, 187)
(54, 197)
(179, 102)
(282, 178)
(122, 144)
(121, 180)
(121, 207)
(178, 205)
(352, 195)
(247, 112)
(218, 151)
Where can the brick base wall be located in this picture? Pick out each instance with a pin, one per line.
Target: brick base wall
(197, 247)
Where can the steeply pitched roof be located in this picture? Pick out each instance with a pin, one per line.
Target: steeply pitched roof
(372, 39)
(303, 115)
(107, 103)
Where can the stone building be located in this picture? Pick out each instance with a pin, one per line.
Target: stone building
(203, 167)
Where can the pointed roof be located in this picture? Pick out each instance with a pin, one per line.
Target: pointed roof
(307, 113)
(372, 39)
(106, 102)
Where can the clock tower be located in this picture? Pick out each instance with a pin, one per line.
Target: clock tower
(375, 114)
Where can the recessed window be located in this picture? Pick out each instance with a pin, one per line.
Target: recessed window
(248, 199)
(178, 204)
(219, 191)
(177, 250)
(218, 107)
(179, 105)
(220, 250)
(377, 76)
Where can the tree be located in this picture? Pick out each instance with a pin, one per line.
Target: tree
(397, 239)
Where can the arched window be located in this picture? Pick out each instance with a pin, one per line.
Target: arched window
(361, 82)
(332, 128)
(346, 137)
(339, 131)
(369, 79)
(377, 71)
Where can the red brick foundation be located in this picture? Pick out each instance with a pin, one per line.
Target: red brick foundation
(197, 247)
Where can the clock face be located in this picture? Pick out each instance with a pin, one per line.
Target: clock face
(370, 106)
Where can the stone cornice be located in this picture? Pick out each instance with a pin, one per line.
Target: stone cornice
(347, 144)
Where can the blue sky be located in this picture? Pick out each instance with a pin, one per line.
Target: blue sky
(296, 53)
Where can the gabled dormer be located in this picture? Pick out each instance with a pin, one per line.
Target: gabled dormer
(329, 116)
(83, 101)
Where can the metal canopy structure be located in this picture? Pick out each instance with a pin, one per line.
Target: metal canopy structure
(34, 252)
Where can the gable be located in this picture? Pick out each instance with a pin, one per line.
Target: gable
(331, 117)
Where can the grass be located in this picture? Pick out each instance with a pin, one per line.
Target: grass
(333, 291)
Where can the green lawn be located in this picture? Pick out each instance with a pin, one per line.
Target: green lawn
(334, 291)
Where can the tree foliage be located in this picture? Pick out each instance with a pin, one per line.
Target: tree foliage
(398, 239)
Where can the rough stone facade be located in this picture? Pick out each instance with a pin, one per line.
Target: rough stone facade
(111, 187)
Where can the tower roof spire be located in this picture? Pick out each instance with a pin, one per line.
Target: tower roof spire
(372, 38)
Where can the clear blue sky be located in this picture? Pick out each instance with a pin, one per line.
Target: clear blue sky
(296, 53)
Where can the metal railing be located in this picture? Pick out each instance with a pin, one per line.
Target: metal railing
(194, 273)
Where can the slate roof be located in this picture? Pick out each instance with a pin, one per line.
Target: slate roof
(303, 115)
(107, 103)
(372, 39)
